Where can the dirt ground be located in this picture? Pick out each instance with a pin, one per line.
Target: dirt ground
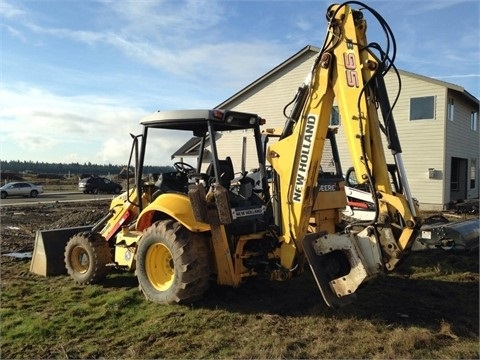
(18, 224)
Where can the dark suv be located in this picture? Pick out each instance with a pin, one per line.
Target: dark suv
(96, 184)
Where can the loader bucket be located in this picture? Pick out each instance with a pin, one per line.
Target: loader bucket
(48, 252)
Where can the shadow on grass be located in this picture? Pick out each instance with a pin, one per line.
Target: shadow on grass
(120, 279)
(397, 299)
(419, 293)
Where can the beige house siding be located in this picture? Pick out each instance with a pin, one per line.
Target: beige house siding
(427, 149)
(462, 142)
(422, 140)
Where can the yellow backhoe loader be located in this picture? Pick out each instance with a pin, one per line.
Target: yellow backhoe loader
(202, 223)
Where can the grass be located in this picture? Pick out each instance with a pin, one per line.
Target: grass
(426, 309)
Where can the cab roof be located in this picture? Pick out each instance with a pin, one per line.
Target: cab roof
(198, 120)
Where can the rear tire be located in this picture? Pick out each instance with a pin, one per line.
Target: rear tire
(4, 195)
(173, 264)
(86, 257)
(33, 193)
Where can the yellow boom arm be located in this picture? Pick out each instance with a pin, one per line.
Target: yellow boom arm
(347, 70)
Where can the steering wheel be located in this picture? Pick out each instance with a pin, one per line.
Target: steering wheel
(184, 168)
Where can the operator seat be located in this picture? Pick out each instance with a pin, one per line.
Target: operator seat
(225, 168)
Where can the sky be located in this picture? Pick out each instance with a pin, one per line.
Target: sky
(77, 76)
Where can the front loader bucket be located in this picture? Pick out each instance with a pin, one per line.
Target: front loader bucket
(48, 252)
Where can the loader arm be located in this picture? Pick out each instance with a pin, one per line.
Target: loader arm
(348, 71)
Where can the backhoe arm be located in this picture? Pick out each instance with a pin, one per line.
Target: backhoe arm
(346, 69)
(360, 89)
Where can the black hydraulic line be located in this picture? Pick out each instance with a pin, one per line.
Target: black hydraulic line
(387, 115)
(300, 99)
(336, 155)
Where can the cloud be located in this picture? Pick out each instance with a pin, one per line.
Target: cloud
(414, 7)
(8, 10)
(181, 40)
(53, 114)
(109, 152)
(458, 76)
(168, 19)
(48, 123)
(32, 141)
(16, 33)
(421, 7)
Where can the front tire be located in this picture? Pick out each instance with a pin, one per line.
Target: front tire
(86, 257)
(173, 263)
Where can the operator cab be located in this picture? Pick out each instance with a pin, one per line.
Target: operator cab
(216, 191)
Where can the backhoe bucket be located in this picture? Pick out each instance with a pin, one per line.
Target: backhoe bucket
(49, 249)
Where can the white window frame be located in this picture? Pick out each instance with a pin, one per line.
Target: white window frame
(474, 120)
(425, 98)
(451, 109)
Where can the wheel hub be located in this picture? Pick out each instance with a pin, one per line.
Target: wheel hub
(160, 267)
(80, 260)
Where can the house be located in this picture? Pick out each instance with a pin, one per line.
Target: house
(437, 123)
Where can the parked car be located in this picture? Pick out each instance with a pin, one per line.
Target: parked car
(20, 189)
(96, 184)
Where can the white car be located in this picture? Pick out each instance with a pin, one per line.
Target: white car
(20, 189)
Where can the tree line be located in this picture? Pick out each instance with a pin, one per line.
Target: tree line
(37, 167)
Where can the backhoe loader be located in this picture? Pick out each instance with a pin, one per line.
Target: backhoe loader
(209, 221)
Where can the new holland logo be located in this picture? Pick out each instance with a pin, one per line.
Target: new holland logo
(305, 156)
(247, 212)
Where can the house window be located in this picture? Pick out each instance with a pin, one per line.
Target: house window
(422, 108)
(474, 120)
(473, 172)
(450, 109)
(334, 117)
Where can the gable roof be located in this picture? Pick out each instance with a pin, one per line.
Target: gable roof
(190, 148)
(303, 52)
(307, 50)
(445, 84)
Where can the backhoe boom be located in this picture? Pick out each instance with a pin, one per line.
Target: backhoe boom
(348, 71)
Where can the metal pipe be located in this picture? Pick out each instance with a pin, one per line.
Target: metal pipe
(404, 181)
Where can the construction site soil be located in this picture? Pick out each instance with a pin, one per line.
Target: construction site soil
(19, 224)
